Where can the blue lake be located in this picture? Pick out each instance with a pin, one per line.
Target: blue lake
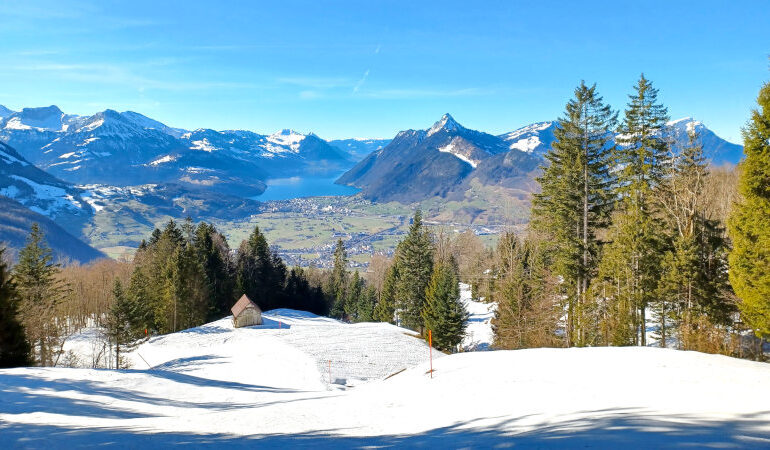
(295, 187)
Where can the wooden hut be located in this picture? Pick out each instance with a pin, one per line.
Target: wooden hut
(246, 313)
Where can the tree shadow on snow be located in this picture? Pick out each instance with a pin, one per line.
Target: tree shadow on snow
(24, 393)
(605, 430)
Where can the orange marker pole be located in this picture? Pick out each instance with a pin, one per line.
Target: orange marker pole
(330, 371)
(430, 347)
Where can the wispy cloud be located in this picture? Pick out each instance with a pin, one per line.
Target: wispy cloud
(111, 74)
(312, 82)
(361, 82)
(414, 93)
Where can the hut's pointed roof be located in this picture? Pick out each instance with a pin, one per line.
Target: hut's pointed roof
(243, 303)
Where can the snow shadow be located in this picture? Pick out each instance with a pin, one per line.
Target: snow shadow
(208, 382)
(607, 431)
(271, 324)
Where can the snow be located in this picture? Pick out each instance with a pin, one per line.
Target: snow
(478, 333)
(447, 123)
(67, 155)
(285, 138)
(203, 145)
(163, 159)
(9, 159)
(268, 386)
(54, 197)
(528, 138)
(451, 148)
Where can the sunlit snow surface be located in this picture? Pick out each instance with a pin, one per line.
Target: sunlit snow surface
(268, 386)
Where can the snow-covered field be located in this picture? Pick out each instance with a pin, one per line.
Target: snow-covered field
(269, 386)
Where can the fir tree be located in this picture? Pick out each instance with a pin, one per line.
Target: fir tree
(121, 323)
(261, 273)
(385, 309)
(14, 348)
(443, 313)
(366, 304)
(40, 291)
(749, 223)
(575, 198)
(635, 248)
(214, 254)
(353, 297)
(338, 282)
(415, 266)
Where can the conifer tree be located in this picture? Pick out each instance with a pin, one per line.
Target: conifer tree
(261, 273)
(385, 309)
(575, 198)
(635, 246)
(415, 267)
(693, 269)
(749, 223)
(40, 291)
(366, 304)
(353, 296)
(338, 283)
(14, 348)
(443, 312)
(121, 322)
(214, 254)
(187, 289)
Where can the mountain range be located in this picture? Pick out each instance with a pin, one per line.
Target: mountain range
(119, 173)
(87, 149)
(447, 158)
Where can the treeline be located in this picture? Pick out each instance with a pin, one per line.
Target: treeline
(181, 277)
(629, 231)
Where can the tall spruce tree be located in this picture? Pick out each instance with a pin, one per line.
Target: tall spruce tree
(14, 348)
(415, 267)
(40, 291)
(749, 223)
(121, 323)
(385, 309)
(635, 248)
(575, 199)
(214, 254)
(338, 282)
(443, 313)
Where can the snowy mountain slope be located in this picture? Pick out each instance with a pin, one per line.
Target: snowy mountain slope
(357, 352)
(253, 386)
(718, 150)
(37, 190)
(16, 221)
(535, 138)
(419, 164)
(5, 112)
(87, 149)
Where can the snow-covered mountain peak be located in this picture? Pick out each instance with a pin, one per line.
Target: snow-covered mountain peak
(534, 138)
(446, 123)
(288, 138)
(48, 118)
(5, 112)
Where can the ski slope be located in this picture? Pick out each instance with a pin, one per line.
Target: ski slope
(269, 386)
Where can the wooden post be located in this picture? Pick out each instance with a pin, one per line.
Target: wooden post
(430, 350)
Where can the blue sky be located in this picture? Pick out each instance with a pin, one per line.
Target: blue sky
(371, 68)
